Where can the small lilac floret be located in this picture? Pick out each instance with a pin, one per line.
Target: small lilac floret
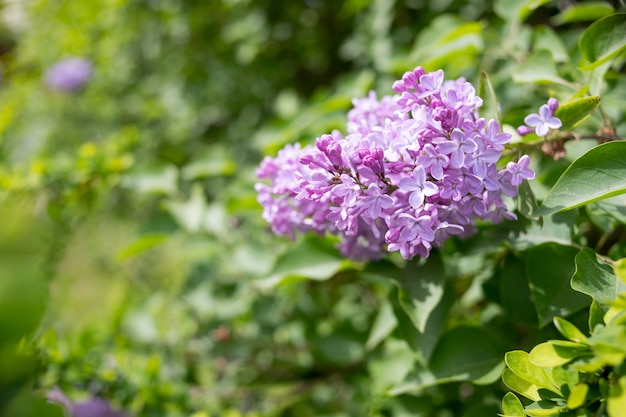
(545, 119)
(414, 170)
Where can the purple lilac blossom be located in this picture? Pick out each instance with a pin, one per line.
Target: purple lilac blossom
(69, 74)
(413, 170)
(543, 121)
(94, 407)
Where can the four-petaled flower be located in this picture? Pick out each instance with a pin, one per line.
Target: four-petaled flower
(545, 120)
(418, 187)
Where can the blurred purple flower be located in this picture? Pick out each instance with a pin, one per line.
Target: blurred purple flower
(95, 407)
(69, 74)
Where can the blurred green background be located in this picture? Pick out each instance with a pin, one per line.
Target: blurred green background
(132, 241)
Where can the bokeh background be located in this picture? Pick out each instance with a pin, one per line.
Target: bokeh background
(133, 249)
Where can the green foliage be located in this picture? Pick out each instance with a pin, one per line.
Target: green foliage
(136, 266)
(598, 174)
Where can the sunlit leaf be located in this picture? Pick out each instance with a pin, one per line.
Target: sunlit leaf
(603, 40)
(583, 12)
(569, 331)
(616, 402)
(543, 408)
(520, 385)
(512, 406)
(577, 396)
(519, 363)
(598, 174)
(552, 354)
(620, 269)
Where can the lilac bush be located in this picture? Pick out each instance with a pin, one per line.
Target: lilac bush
(413, 170)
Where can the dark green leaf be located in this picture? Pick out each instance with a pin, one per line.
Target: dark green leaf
(421, 289)
(549, 268)
(455, 359)
(598, 174)
(576, 111)
(596, 279)
(603, 40)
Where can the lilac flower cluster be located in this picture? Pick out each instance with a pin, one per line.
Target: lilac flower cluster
(412, 170)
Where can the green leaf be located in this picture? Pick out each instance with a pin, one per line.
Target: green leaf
(552, 354)
(577, 396)
(454, 359)
(517, 9)
(489, 110)
(546, 38)
(514, 293)
(576, 111)
(421, 288)
(562, 377)
(596, 279)
(569, 331)
(603, 40)
(620, 269)
(583, 12)
(520, 385)
(526, 202)
(598, 174)
(383, 325)
(519, 363)
(543, 408)
(512, 406)
(549, 268)
(538, 68)
(443, 42)
(141, 245)
(313, 258)
(616, 402)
